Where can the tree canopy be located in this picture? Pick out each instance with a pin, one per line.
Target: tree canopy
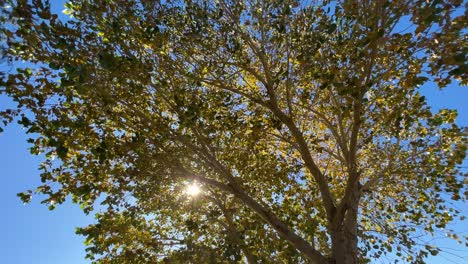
(301, 123)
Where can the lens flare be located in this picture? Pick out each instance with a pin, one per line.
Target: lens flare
(193, 190)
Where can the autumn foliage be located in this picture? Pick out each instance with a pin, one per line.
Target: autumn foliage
(301, 121)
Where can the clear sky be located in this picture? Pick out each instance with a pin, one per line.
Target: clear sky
(31, 234)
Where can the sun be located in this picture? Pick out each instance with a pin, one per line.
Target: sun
(193, 189)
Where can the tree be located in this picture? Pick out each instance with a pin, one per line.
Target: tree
(301, 123)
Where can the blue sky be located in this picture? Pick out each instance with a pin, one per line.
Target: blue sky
(31, 234)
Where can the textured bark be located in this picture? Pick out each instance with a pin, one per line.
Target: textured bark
(344, 233)
(344, 243)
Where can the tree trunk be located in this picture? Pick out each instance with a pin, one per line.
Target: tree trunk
(344, 236)
(344, 244)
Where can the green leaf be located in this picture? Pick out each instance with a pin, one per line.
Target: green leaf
(25, 196)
